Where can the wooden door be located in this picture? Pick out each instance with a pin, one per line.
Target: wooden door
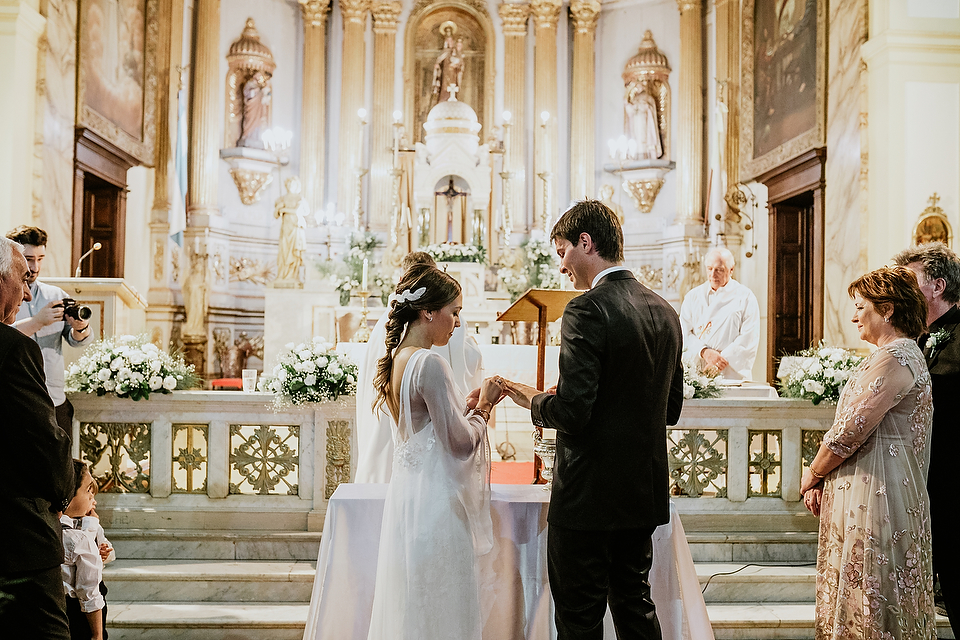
(104, 211)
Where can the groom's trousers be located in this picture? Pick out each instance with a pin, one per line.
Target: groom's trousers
(589, 569)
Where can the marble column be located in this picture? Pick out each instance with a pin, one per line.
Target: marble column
(385, 16)
(545, 16)
(583, 87)
(845, 200)
(690, 114)
(354, 14)
(204, 114)
(21, 27)
(728, 77)
(313, 121)
(514, 18)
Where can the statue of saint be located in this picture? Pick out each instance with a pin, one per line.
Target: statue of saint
(640, 109)
(606, 197)
(448, 70)
(292, 210)
(256, 109)
(195, 296)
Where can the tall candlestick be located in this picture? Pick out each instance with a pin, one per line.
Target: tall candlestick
(366, 266)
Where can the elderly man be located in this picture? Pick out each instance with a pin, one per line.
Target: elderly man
(38, 473)
(938, 273)
(721, 320)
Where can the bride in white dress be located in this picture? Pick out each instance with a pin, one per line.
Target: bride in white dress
(436, 518)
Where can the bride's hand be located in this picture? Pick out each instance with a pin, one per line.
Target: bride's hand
(473, 398)
(492, 390)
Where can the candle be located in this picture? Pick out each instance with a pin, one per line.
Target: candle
(366, 266)
(506, 140)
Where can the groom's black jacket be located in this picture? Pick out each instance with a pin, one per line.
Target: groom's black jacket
(621, 384)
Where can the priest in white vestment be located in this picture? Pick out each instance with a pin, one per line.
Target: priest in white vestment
(374, 434)
(721, 320)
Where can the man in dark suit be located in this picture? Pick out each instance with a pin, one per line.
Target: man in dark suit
(621, 384)
(38, 474)
(938, 273)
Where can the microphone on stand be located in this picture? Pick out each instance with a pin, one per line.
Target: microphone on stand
(96, 247)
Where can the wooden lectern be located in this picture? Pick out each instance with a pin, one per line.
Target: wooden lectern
(541, 306)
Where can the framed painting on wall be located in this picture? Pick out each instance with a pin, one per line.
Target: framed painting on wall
(117, 79)
(783, 80)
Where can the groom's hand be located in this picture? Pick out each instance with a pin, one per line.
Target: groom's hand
(522, 394)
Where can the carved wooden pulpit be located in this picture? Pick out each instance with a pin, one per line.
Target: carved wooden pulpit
(541, 306)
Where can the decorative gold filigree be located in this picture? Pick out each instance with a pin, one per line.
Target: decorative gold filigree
(354, 10)
(697, 461)
(314, 11)
(385, 15)
(545, 13)
(765, 463)
(127, 448)
(338, 455)
(933, 225)
(189, 459)
(649, 277)
(585, 14)
(219, 267)
(250, 184)
(264, 459)
(175, 263)
(158, 255)
(643, 193)
(252, 271)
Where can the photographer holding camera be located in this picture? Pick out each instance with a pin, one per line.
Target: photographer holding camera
(50, 318)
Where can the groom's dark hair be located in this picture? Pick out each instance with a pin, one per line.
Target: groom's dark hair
(596, 219)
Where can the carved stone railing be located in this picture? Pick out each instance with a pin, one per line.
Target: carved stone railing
(209, 459)
(744, 448)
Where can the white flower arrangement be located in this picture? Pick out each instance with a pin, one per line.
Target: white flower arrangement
(536, 268)
(310, 372)
(937, 340)
(453, 252)
(129, 367)
(698, 384)
(817, 374)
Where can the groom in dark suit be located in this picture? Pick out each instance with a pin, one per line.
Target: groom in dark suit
(621, 384)
(938, 273)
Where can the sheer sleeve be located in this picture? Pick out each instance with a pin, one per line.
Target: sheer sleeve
(460, 434)
(879, 387)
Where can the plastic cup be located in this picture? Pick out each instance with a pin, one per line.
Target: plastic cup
(249, 377)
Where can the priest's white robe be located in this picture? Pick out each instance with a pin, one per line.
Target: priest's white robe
(727, 320)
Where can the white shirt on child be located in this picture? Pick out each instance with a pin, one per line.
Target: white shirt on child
(82, 568)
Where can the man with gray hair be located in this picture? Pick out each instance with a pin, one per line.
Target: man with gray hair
(721, 320)
(38, 473)
(938, 273)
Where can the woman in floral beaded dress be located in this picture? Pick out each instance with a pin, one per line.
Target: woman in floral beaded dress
(868, 480)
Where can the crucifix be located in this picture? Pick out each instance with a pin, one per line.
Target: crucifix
(452, 89)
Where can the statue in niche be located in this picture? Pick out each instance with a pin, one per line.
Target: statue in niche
(606, 197)
(640, 122)
(448, 69)
(292, 210)
(256, 108)
(233, 358)
(196, 294)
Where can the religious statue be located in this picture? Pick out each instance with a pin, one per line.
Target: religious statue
(233, 358)
(256, 109)
(292, 210)
(448, 69)
(196, 294)
(606, 197)
(640, 122)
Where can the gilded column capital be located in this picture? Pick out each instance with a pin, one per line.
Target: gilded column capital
(585, 14)
(385, 15)
(354, 10)
(545, 13)
(514, 18)
(314, 12)
(687, 5)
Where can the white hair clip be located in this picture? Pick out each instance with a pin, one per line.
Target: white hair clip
(407, 296)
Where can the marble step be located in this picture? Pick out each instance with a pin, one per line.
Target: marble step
(749, 583)
(776, 621)
(206, 621)
(210, 580)
(189, 544)
(747, 546)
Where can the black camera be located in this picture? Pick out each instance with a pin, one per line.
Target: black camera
(74, 310)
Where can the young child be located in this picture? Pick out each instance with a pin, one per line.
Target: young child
(83, 560)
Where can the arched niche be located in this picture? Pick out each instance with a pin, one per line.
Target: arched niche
(423, 43)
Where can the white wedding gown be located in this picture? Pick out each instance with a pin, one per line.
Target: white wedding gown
(436, 518)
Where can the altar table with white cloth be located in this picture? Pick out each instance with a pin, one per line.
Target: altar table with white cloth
(516, 597)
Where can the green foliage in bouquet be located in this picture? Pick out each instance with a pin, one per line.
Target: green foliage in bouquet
(818, 374)
(453, 252)
(311, 372)
(697, 384)
(129, 367)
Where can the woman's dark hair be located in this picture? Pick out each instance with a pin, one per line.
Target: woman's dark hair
(894, 288)
(596, 219)
(439, 290)
(79, 468)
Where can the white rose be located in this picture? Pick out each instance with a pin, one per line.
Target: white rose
(136, 357)
(350, 379)
(309, 366)
(109, 385)
(322, 362)
(116, 364)
(813, 386)
(306, 354)
(124, 373)
(282, 375)
(334, 370)
(156, 382)
(169, 383)
(310, 380)
(136, 377)
(298, 366)
(688, 391)
(104, 374)
(289, 346)
(150, 348)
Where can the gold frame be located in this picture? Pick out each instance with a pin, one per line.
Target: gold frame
(478, 10)
(142, 149)
(750, 166)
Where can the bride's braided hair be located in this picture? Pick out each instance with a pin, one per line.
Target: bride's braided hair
(440, 290)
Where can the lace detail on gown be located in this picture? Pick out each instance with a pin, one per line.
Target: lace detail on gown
(410, 454)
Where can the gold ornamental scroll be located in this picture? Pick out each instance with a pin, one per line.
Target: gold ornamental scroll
(583, 87)
(313, 120)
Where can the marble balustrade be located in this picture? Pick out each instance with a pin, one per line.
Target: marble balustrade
(214, 459)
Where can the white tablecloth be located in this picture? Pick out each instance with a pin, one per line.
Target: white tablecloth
(516, 597)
